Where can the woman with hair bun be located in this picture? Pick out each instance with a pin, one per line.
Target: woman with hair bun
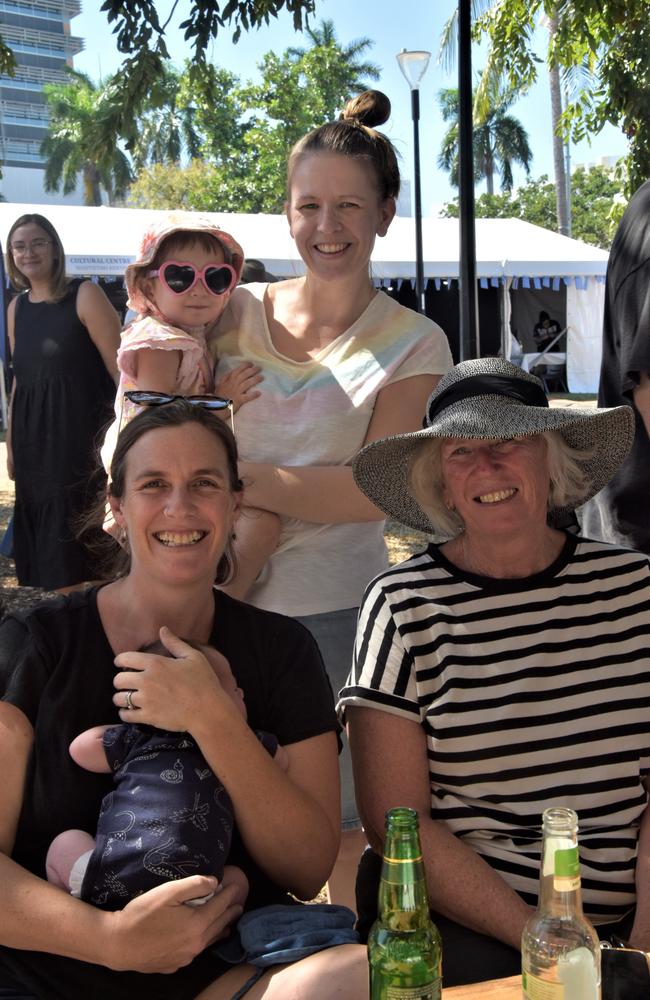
(343, 365)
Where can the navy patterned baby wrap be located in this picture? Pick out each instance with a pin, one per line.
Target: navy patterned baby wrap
(168, 816)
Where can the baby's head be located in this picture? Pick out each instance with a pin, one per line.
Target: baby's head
(185, 271)
(219, 664)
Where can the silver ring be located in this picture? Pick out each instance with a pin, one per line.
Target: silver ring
(129, 704)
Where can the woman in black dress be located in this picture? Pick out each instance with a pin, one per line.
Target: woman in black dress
(64, 338)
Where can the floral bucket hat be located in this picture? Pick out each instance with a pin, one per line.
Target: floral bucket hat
(156, 232)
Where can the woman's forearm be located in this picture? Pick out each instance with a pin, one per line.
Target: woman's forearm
(391, 768)
(291, 833)
(41, 917)
(323, 494)
(463, 887)
(154, 932)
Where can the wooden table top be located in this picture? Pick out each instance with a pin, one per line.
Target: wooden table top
(494, 989)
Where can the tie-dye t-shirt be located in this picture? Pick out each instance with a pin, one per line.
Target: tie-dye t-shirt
(317, 412)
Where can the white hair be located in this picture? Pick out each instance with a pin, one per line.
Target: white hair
(568, 481)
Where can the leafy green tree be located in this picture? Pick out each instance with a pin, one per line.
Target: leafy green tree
(499, 139)
(141, 38)
(298, 91)
(220, 114)
(593, 193)
(349, 72)
(493, 79)
(166, 128)
(611, 39)
(79, 143)
(246, 131)
(194, 187)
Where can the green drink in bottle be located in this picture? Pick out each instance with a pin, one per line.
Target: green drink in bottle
(404, 948)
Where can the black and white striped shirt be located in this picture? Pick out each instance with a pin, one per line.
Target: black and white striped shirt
(532, 692)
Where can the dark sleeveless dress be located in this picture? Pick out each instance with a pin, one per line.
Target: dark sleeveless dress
(62, 404)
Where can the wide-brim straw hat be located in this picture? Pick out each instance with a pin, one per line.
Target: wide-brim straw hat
(491, 398)
(175, 222)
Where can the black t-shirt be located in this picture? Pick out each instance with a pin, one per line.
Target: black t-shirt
(545, 334)
(56, 665)
(619, 513)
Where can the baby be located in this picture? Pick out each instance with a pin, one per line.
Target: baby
(179, 287)
(167, 817)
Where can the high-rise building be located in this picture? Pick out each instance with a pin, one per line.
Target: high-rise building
(38, 32)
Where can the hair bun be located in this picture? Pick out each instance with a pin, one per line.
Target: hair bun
(371, 108)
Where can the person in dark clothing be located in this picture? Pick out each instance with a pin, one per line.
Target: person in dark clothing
(64, 338)
(546, 330)
(619, 513)
(175, 495)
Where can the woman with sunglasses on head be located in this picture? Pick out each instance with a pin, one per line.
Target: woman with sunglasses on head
(77, 662)
(179, 287)
(63, 337)
(343, 365)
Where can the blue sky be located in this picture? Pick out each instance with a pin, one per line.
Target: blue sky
(392, 25)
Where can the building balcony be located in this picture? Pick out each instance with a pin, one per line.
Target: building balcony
(33, 78)
(17, 118)
(23, 151)
(44, 43)
(28, 115)
(55, 10)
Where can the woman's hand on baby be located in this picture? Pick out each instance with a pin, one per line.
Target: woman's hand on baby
(169, 692)
(239, 384)
(157, 932)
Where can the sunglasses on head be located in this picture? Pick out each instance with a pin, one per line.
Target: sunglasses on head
(180, 276)
(148, 397)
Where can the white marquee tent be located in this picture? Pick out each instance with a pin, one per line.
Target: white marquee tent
(510, 252)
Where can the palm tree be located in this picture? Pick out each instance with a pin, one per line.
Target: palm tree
(492, 76)
(166, 127)
(353, 71)
(499, 140)
(77, 143)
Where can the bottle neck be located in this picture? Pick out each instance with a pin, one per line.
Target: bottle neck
(403, 897)
(559, 888)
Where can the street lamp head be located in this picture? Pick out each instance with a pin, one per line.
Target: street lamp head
(413, 65)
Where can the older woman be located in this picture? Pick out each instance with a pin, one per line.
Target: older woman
(176, 496)
(508, 668)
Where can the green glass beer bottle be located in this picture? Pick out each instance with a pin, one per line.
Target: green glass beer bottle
(404, 948)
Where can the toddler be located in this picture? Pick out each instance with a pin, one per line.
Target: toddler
(167, 817)
(178, 287)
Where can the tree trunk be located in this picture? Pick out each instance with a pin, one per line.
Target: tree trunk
(92, 189)
(558, 143)
(489, 173)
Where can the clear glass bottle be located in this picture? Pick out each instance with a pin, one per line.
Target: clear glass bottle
(560, 952)
(404, 948)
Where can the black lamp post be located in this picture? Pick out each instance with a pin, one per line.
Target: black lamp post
(468, 298)
(413, 65)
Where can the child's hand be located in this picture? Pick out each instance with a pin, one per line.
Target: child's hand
(239, 384)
